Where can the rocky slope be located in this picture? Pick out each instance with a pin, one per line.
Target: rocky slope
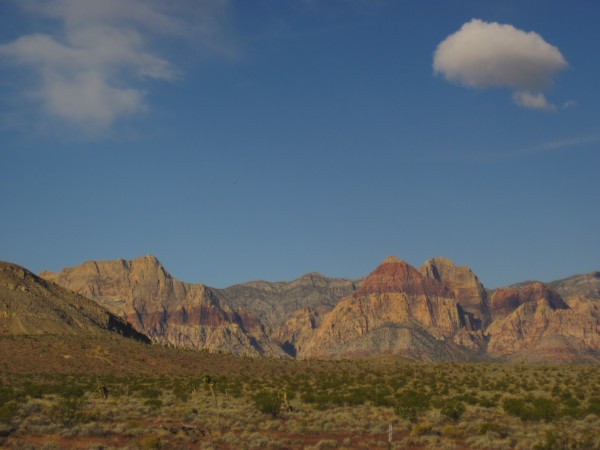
(167, 310)
(32, 306)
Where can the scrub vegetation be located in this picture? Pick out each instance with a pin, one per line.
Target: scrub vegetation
(264, 403)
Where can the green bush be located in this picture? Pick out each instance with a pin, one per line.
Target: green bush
(453, 410)
(488, 427)
(8, 410)
(67, 412)
(532, 408)
(154, 403)
(410, 404)
(593, 406)
(151, 394)
(268, 403)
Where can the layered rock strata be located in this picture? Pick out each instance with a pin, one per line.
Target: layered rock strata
(167, 310)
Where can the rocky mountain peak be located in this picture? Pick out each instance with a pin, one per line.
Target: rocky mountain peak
(393, 260)
(312, 277)
(463, 283)
(395, 275)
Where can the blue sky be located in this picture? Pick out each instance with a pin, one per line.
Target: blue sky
(242, 140)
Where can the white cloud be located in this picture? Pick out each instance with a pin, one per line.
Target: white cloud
(89, 72)
(532, 101)
(482, 55)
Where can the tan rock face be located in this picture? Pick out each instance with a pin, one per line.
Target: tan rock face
(534, 323)
(294, 333)
(393, 294)
(464, 285)
(165, 309)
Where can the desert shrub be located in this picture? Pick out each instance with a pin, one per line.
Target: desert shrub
(8, 410)
(32, 390)
(267, 403)
(419, 429)
(182, 389)
(7, 393)
(149, 393)
(532, 408)
(70, 389)
(489, 427)
(153, 403)
(453, 410)
(453, 432)
(409, 404)
(236, 389)
(593, 406)
(557, 440)
(67, 412)
(488, 402)
(327, 444)
(150, 443)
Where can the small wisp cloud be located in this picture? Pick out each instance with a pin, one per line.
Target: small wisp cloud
(89, 70)
(483, 55)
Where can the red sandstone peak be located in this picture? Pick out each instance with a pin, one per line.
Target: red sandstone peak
(395, 275)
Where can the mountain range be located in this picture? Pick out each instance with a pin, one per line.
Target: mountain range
(439, 311)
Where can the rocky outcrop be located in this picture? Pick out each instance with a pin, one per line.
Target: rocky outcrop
(533, 323)
(394, 295)
(30, 305)
(169, 311)
(464, 285)
(506, 300)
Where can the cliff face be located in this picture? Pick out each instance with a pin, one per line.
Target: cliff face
(534, 323)
(169, 311)
(394, 296)
(294, 334)
(463, 284)
(32, 306)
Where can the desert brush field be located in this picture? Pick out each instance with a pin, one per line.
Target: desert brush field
(90, 394)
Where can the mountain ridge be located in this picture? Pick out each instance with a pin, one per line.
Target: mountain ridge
(439, 310)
